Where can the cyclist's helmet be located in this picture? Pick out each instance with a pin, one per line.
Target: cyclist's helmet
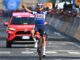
(39, 7)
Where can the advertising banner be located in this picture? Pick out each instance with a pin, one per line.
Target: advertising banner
(11, 4)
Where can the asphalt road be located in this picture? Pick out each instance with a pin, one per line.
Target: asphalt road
(58, 47)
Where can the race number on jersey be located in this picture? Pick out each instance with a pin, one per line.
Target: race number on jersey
(40, 16)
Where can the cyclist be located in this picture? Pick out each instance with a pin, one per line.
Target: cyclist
(39, 24)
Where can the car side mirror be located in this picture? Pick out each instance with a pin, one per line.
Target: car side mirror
(5, 23)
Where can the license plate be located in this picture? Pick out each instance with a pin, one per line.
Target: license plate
(25, 37)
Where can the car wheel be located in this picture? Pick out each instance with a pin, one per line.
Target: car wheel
(8, 44)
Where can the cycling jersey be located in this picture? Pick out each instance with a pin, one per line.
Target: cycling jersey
(39, 17)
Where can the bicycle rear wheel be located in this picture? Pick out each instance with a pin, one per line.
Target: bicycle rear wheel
(40, 49)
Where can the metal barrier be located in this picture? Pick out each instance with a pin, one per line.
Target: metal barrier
(66, 24)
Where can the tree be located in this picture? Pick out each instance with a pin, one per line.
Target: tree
(53, 1)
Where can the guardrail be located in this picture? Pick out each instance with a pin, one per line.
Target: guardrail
(65, 23)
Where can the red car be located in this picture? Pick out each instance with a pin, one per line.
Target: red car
(19, 27)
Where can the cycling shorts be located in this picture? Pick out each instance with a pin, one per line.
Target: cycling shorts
(40, 29)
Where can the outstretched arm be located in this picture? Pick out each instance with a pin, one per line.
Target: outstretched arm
(25, 8)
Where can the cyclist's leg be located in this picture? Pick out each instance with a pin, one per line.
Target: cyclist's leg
(44, 45)
(33, 36)
(33, 33)
(42, 33)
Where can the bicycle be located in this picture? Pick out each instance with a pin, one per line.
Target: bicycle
(40, 46)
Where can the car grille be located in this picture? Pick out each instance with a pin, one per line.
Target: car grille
(23, 32)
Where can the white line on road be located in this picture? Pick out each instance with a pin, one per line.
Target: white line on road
(30, 52)
(59, 43)
(77, 45)
(51, 52)
(67, 50)
(27, 52)
(74, 52)
(5, 52)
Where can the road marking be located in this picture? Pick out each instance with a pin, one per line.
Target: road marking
(67, 50)
(51, 52)
(74, 52)
(27, 52)
(27, 49)
(76, 45)
(5, 52)
(59, 43)
(30, 52)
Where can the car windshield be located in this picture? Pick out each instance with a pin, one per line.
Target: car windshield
(22, 20)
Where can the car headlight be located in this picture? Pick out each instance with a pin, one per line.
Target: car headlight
(12, 29)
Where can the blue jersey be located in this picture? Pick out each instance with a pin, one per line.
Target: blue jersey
(40, 17)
